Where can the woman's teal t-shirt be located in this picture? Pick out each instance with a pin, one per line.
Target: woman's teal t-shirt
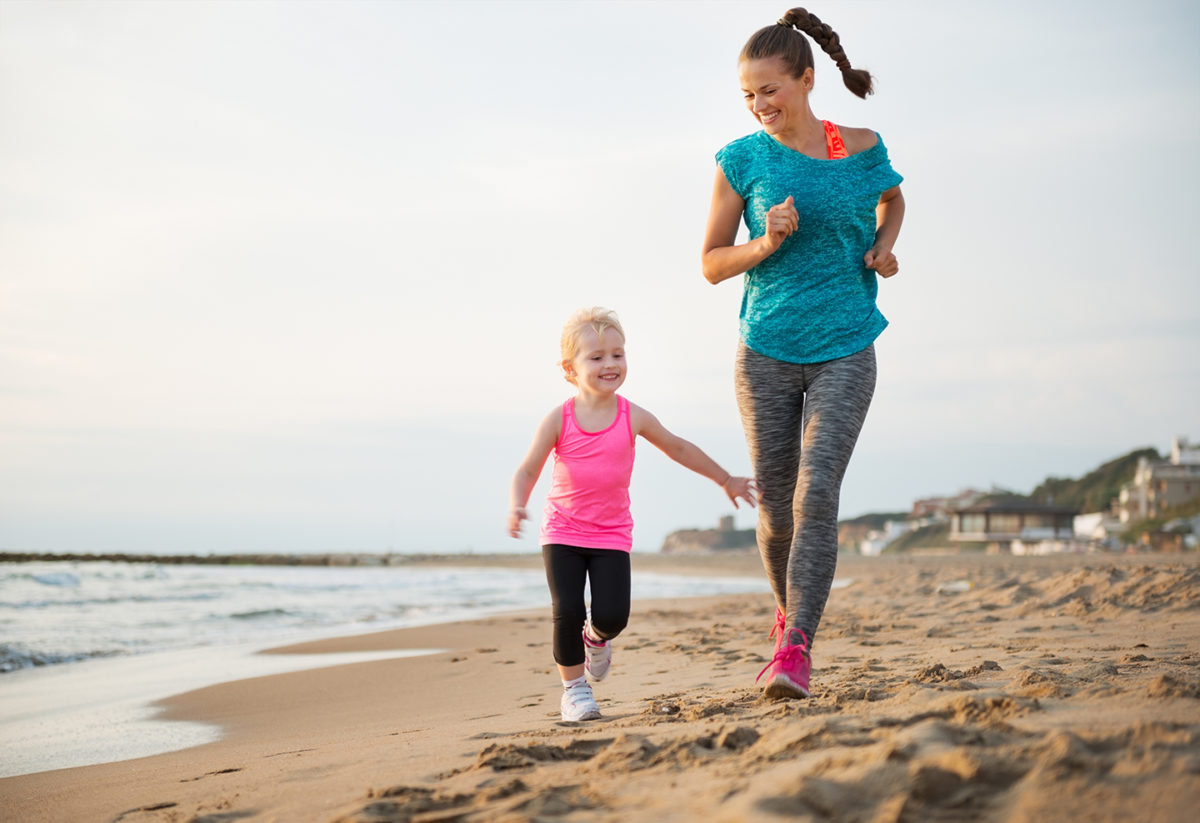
(813, 299)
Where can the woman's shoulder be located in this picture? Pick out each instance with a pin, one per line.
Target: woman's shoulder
(858, 140)
(741, 160)
(869, 155)
(743, 146)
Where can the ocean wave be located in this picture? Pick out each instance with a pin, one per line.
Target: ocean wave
(258, 614)
(14, 658)
(65, 579)
(110, 600)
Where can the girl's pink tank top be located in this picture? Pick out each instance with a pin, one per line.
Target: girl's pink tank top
(588, 501)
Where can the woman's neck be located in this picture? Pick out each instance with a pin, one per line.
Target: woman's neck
(807, 138)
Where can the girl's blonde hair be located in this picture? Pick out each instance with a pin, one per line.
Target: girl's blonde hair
(595, 318)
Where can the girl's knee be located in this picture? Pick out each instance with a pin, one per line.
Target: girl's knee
(609, 623)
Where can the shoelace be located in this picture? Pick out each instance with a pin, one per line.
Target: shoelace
(787, 655)
(780, 624)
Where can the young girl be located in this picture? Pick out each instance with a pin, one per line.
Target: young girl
(824, 208)
(587, 531)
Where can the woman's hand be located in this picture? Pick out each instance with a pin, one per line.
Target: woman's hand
(782, 220)
(721, 259)
(882, 261)
(889, 214)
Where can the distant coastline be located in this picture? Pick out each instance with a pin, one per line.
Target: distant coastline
(722, 539)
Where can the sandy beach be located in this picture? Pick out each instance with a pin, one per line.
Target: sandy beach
(944, 688)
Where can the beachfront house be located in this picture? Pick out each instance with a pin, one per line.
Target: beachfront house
(1005, 522)
(1159, 485)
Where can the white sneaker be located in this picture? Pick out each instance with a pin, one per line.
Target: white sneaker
(579, 704)
(597, 656)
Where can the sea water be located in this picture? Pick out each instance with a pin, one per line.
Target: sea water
(87, 647)
(56, 613)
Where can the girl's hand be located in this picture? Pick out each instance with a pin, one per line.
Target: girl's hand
(742, 487)
(883, 262)
(514, 521)
(782, 220)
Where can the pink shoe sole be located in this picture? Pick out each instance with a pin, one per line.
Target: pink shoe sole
(782, 687)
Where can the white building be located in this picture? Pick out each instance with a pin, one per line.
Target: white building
(1158, 485)
(877, 541)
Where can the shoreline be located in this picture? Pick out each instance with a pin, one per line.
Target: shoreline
(51, 721)
(99, 709)
(1053, 687)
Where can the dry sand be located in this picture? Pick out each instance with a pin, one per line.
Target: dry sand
(1040, 689)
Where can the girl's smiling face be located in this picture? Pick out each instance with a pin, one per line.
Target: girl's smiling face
(599, 367)
(777, 100)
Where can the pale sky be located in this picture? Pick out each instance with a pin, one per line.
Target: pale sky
(290, 276)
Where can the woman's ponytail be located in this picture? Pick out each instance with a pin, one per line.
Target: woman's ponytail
(857, 80)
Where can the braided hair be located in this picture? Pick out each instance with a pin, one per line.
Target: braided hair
(781, 40)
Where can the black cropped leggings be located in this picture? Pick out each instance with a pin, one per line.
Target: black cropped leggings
(801, 422)
(607, 572)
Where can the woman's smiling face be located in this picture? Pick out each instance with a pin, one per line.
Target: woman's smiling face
(778, 101)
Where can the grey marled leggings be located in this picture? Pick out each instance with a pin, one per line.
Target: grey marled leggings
(801, 423)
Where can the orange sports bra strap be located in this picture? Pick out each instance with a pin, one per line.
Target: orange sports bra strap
(833, 139)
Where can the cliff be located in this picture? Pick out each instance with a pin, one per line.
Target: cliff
(706, 541)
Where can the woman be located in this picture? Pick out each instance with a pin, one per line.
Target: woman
(824, 208)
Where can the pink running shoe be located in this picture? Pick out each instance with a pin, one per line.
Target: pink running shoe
(789, 669)
(779, 630)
